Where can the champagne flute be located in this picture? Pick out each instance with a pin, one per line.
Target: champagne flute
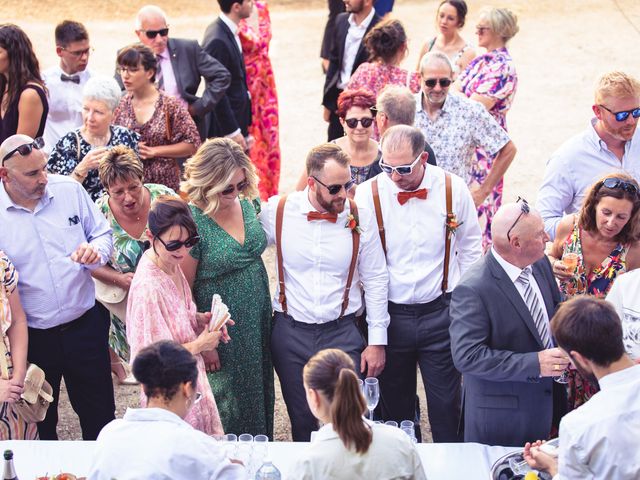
(371, 394)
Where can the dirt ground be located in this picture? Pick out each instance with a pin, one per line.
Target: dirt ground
(562, 47)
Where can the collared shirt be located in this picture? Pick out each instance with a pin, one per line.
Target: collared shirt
(577, 165)
(600, 439)
(156, 444)
(316, 258)
(625, 297)
(352, 42)
(415, 235)
(169, 83)
(54, 289)
(65, 105)
(461, 125)
(234, 29)
(513, 272)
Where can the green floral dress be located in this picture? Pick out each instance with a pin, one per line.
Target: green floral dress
(126, 255)
(243, 387)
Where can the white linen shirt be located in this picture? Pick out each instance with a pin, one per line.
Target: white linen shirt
(316, 258)
(391, 455)
(415, 235)
(460, 126)
(156, 444)
(599, 440)
(65, 105)
(577, 165)
(352, 43)
(625, 297)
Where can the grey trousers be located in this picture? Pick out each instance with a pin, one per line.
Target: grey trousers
(292, 345)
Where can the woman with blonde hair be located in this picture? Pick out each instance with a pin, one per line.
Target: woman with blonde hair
(221, 184)
(348, 446)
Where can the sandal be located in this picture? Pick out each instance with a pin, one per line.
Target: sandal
(121, 371)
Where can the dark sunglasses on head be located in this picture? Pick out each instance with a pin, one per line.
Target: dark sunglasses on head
(174, 245)
(401, 170)
(335, 189)
(614, 182)
(366, 122)
(623, 115)
(431, 82)
(232, 188)
(151, 34)
(524, 209)
(25, 149)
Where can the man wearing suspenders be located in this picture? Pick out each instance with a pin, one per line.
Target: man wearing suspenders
(429, 230)
(326, 248)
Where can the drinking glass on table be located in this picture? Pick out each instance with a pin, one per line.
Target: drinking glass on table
(371, 394)
(245, 447)
(231, 443)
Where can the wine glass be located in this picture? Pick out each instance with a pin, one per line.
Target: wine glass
(391, 423)
(245, 447)
(371, 394)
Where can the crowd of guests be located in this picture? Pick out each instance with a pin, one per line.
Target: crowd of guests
(146, 201)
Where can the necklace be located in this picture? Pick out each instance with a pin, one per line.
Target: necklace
(96, 141)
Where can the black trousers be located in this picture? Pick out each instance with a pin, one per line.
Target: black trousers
(79, 352)
(292, 345)
(335, 129)
(419, 334)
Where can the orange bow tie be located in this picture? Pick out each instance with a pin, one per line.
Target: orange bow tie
(329, 217)
(403, 197)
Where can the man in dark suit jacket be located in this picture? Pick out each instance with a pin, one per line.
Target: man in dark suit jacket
(182, 64)
(232, 116)
(500, 335)
(347, 54)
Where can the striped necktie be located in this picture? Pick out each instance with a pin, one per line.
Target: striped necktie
(533, 304)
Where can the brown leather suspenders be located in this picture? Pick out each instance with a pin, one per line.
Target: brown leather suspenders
(355, 236)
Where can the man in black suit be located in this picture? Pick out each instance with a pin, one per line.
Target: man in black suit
(232, 116)
(181, 65)
(347, 54)
(500, 336)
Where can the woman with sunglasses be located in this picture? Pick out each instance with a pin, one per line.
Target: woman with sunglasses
(156, 442)
(23, 97)
(167, 131)
(491, 79)
(603, 240)
(160, 305)
(221, 184)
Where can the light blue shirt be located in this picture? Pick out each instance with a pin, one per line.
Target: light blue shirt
(54, 289)
(574, 167)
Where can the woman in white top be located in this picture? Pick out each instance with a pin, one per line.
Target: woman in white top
(348, 446)
(155, 442)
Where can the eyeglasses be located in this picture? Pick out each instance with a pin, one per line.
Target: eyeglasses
(431, 82)
(232, 188)
(133, 191)
(364, 121)
(151, 34)
(402, 169)
(335, 189)
(122, 70)
(623, 115)
(614, 182)
(25, 149)
(174, 245)
(78, 53)
(481, 30)
(524, 208)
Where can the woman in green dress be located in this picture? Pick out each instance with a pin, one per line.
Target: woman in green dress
(221, 184)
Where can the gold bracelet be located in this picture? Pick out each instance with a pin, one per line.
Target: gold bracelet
(76, 174)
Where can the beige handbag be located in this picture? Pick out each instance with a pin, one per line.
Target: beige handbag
(113, 298)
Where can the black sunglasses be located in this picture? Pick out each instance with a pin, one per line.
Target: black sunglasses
(614, 182)
(25, 149)
(174, 245)
(366, 122)
(232, 188)
(431, 82)
(524, 208)
(335, 189)
(151, 34)
(623, 115)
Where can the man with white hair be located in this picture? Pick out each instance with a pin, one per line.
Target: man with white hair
(182, 63)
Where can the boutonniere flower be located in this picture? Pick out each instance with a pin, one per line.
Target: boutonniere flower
(452, 223)
(353, 223)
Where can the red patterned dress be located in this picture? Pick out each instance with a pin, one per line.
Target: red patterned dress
(265, 153)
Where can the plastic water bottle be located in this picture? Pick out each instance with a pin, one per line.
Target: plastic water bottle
(268, 471)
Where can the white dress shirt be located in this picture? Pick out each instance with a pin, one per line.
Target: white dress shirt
(352, 42)
(316, 258)
(415, 235)
(625, 297)
(156, 444)
(65, 105)
(391, 455)
(577, 165)
(169, 83)
(599, 440)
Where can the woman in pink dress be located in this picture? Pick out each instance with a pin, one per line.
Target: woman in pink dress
(255, 35)
(160, 305)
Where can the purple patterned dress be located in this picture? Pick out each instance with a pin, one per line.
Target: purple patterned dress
(493, 75)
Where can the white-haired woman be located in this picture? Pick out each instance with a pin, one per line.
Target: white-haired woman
(79, 152)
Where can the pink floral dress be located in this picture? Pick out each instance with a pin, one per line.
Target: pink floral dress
(156, 311)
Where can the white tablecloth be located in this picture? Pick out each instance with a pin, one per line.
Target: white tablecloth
(442, 461)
